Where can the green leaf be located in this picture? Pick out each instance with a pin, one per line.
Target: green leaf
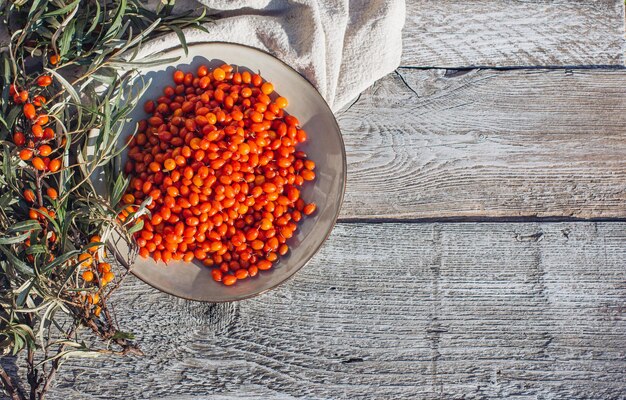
(19, 265)
(181, 38)
(95, 19)
(14, 239)
(121, 183)
(34, 7)
(153, 62)
(13, 114)
(67, 39)
(60, 260)
(36, 249)
(136, 228)
(117, 21)
(24, 226)
(23, 294)
(63, 10)
(70, 89)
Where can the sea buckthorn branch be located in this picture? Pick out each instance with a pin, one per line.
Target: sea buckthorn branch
(54, 266)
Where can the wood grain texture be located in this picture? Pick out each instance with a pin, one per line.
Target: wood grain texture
(504, 33)
(529, 310)
(488, 143)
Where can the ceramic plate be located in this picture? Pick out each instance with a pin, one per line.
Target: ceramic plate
(325, 146)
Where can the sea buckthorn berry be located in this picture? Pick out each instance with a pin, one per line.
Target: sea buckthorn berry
(104, 267)
(54, 59)
(44, 150)
(85, 260)
(108, 277)
(88, 276)
(29, 111)
(37, 131)
(281, 102)
(29, 196)
(26, 154)
(229, 280)
(19, 139)
(93, 298)
(38, 164)
(44, 80)
(264, 265)
(38, 101)
(52, 193)
(179, 77)
(169, 164)
(54, 165)
(309, 209)
(219, 74)
(267, 88)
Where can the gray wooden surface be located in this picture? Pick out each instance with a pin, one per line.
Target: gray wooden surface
(487, 143)
(491, 310)
(426, 307)
(505, 33)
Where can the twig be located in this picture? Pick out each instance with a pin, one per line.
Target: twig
(32, 373)
(55, 367)
(7, 383)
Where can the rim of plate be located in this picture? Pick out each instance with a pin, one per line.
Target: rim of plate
(344, 178)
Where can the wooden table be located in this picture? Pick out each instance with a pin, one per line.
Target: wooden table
(481, 249)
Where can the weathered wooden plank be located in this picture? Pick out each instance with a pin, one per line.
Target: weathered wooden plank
(530, 310)
(437, 144)
(503, 33)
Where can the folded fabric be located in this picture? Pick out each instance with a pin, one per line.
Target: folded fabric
(341, 46)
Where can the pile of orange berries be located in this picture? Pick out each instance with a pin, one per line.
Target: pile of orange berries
(218, 158)
(36, 142)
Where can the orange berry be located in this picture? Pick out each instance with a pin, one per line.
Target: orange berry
(37, 130)
(203, 71)
(229, 280)
(29, 111)
(19, 139)
(267, 88)
(26, 154)
(52, 193)
(88, 276)
(179, 77)
(219, 74)
(43, 119)
(38, 164)
(29, 196)
(54, 165)
(264, 265)
(85, 260)
(44, 80)
(128, 199)
(54, 59)
(169, 164)
(44, 150)
(93, 298)
(281, 102)
(309, 209)
(108, 277)
(104, 267)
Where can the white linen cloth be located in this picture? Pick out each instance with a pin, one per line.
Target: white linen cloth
(341, 46)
